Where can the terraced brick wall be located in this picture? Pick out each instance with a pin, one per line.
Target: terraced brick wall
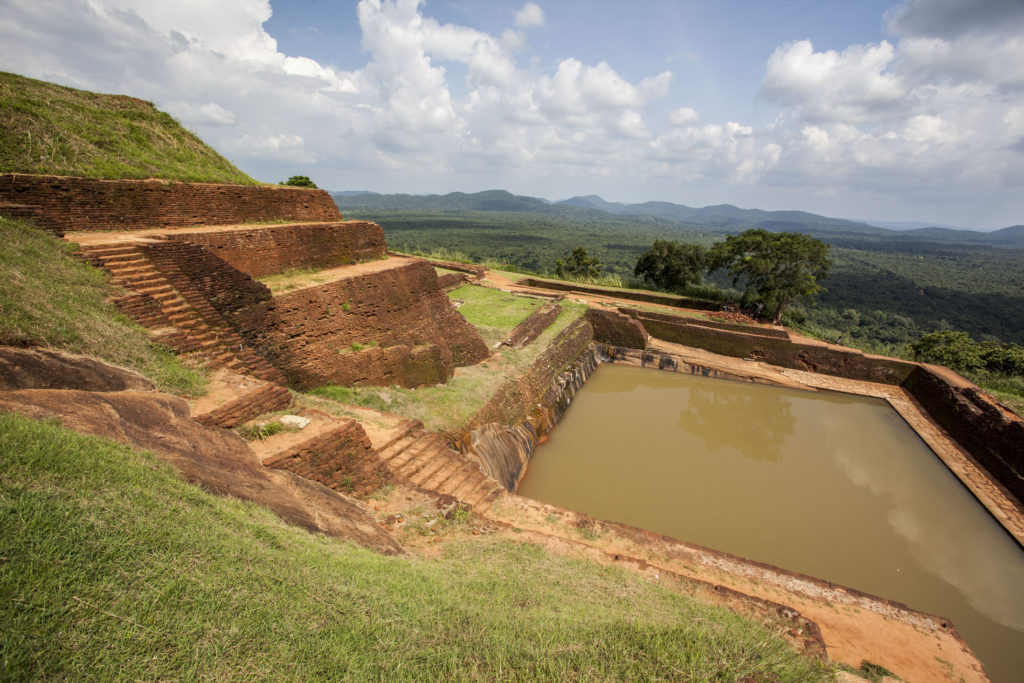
(648, 297)
(518, 396)
(992, 435)
(68, 204)
(618, 329)
(390, 327)
(826, 360)
(341, 458)
(270, 249)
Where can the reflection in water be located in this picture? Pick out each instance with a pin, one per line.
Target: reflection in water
(830, 485)
(956, 545)
(756, 426)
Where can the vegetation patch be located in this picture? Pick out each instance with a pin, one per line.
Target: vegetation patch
(49, 297)
(114, 567)
(492, 312)
(446, 407)
(293, 278)
(49, 129)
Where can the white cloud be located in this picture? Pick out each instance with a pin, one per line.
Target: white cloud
(530, 15)
(936, 111)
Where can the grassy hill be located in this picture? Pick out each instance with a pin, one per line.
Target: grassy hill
(49, 129)
(50, 298)
(114, 567)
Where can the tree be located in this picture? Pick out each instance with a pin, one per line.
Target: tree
(952, 348)
(578, 265)
(672, 266)
(300, 181)
(779, 267)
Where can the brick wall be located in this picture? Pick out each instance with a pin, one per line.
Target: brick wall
(840, 362)
(340, 458)
(268, 250)
(611, 327)
(715, 324)
(68, 204)
(994, 437)
(518, 396)
(202, 278)
(662, 299)
(389, 327)
(527, 331)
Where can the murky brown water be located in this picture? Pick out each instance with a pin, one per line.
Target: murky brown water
(831, 485)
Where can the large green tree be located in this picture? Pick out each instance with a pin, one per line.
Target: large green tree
(578, 265)
(672, 266)
(779, 267)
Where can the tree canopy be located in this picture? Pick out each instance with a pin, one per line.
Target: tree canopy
(672, 266)
(578, 265)
(779, 267)
(300, 181)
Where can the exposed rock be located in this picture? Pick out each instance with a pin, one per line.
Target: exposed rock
(218, 460)
(295, 421)
(45, 369)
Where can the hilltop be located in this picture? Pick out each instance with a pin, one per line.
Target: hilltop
(49, 129)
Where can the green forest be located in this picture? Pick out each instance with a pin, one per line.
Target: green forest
(880, 294)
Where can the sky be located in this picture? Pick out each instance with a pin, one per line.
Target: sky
(895, 111)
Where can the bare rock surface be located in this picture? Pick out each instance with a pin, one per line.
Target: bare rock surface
(46, 369)
(218, 460)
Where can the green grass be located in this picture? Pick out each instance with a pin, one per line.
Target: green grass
(492, 312)
(49, 129)
(446, 407)
(115, 568)
(49, 297)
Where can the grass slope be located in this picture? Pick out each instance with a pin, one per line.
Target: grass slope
(49, 297)
(49, 129)
(115, 568)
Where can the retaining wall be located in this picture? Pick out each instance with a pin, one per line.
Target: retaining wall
(533, 326)
(503, 434)
(618, 329)
(662, 299)
(341, 458)
(390, 327)
(69, 204)
(820, 358)
(269, 250)
(992, 435)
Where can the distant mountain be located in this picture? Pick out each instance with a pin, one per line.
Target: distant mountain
(906, 225)
(723, 218)
(727, 217)
(490, 200)
(1006, 237)
(352, 193)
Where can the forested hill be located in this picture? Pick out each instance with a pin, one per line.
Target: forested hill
(722, 218)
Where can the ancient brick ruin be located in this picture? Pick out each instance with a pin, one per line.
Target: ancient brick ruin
(66, 204)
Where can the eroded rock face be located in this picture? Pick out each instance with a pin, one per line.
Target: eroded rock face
(216, 459)
(45, 369)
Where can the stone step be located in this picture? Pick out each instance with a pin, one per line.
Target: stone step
(452, 466)
(412, 459)
(487, 489)
(435, 461)
(468, 485)
(108, 249)
(395, 447)
(457, 480)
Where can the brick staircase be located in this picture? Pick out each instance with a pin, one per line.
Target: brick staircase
(426, 460)
(175, 315)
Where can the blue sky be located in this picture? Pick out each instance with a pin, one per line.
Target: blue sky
(909, 111)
